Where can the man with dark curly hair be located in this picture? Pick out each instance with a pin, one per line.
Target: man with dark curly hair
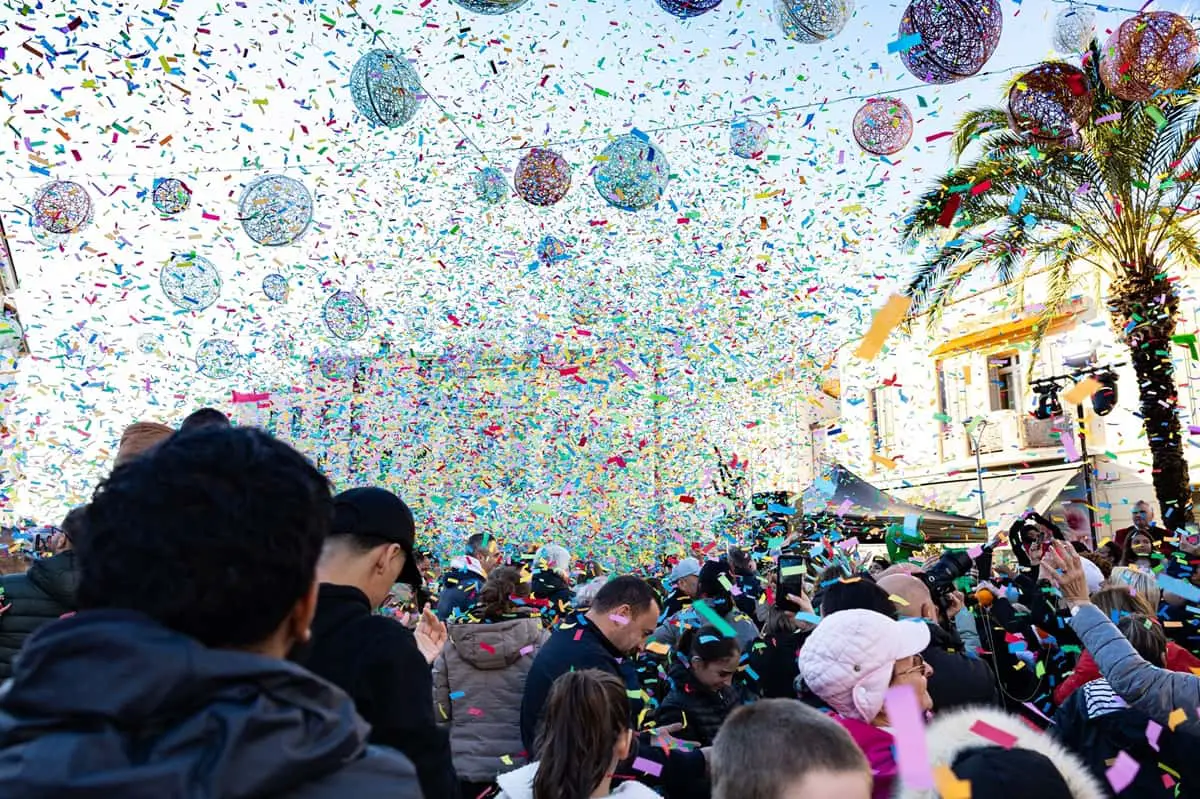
(197, 579)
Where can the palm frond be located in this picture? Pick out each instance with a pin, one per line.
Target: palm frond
(973, 126)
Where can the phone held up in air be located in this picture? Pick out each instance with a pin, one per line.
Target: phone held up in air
(792, 571)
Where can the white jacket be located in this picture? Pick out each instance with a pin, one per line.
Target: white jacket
(519, 785)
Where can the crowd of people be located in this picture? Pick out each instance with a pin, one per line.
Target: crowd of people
(216, 622)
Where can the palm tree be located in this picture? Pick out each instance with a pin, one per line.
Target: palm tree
(1121, 200)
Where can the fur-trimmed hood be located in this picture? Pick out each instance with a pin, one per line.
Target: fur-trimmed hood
(950, 735)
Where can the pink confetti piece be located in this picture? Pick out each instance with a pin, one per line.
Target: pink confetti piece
(1153, 731)
(1070, 449)
(975, 551)
(618, 619)
(525, 650)
(648, 766)
(1121, 773)
(1109, 118)
(996, 736)
(625, 368)
(908, 727)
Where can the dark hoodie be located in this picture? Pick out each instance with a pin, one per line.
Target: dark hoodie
(551, 588)
(40, 595)
(110, 703)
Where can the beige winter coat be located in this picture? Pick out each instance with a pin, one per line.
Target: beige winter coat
(478, 682)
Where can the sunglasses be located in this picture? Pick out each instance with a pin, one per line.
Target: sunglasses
(918, 665)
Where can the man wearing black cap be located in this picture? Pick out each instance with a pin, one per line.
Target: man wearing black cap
(379, 662)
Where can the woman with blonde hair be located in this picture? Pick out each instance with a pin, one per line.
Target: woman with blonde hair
(1141, 581)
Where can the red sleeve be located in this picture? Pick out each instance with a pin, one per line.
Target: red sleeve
(1086, 670)
(1179, 659)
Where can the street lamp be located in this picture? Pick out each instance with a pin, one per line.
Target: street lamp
(975, 427)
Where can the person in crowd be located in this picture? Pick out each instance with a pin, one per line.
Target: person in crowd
(849, 662)
(998, 756)
(479, 679)
(205, 417)
(783, 749)
(1142, 582)
(140, 437)
(1098, 724)
(717, 597)
(1100, 559)
(551, 572)
(607, 637)
(43, 593)
(1117, 602)
(958, 678)
(744, 575)
(197, 580)
(1143, 522)
(859, 591)
(685, 586)
(1079, 532)
(1183, 563)
(382, 664)
(1138, 551)
(878, 565)
(583, 736)
(703, 690)
(773, 658)
(1169, 698)
(467, 574)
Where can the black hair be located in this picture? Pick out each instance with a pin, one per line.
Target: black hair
(475, 543)
(626, 590)
(710, 584)
(859, 591)
(214, 534)
(706, 643)
(205, 417)
(74, 524)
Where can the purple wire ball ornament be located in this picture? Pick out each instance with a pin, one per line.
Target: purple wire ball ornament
(1050, 104)
(1149, 53)
(170, 196)
(543, 177)
(385, 88)
(491, 7)
(944, 41)
(686, 9)
(883, 126)
(62, 207)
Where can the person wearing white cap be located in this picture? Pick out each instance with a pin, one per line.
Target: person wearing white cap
(850, 661)
(685, 581)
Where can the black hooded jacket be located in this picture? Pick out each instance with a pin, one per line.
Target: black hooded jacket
(110, 703)
(40, 595)
(958, 680)
(550, 587)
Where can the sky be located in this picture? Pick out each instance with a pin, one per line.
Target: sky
(751, 265)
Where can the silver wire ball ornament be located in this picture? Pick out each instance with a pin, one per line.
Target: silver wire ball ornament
(491, 186)
(218, 359)
(385, 88)
(337, 365)
(632, 173)
(170, 196)
(957, 37)
(275, 210)
(275, 286)
(543, 177)
(492, 7)
(551, 250)
(883, 126)
(1074, 29)
(747, 138)
(190, 281)
(62, 207)
(686, 9)
(346, 316)
(1149, 53)
(1051, 103)
(813, 21)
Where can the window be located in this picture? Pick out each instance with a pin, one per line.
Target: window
(1003, 381)
(883, 421)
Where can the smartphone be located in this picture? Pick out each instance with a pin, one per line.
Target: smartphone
(792, 571)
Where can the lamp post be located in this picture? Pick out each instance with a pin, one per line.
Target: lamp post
(975, 427)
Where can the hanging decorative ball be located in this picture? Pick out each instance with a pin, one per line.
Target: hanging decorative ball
(385, 88)
(346, 316)
(747, 138)
(1050, 103)
(632, 173)
(1149, 53)
(686, 9)
(956, 37)
(283, 348)
(275, 210)
(217, 359)
(543, 177)
(812, 21)
(149, 343)
(337, 365)
(1074, 29)
(275, 286)
(883, 126)
(190, 281)
(491, 186)
(170, 196)
(551, 250)
(493, 7)
(62, 207)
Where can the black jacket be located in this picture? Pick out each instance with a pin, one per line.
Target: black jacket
(677, 601)
(459, 590)
(42, 594)
(958, 680)
(110, 703)
(701, 711)
(376, 660)
(772, 665)
(576, 645)
(550, 587)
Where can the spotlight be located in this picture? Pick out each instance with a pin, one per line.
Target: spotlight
(1105, 398)
(1045, 402)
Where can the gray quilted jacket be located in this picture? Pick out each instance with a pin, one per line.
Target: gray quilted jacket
(478, 682)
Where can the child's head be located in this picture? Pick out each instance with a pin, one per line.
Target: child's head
(1146, 636)
(712, 657)
(584, 733)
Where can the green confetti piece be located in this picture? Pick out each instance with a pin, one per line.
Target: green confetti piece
(713, 618)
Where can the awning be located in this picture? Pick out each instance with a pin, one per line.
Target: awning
(1005, 496)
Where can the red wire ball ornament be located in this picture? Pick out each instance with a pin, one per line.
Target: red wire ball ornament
(883, 126)
(543, 177)
(1051, 103)
(1149, 53)
(956, 37)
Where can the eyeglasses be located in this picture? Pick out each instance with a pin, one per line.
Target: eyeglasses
(919, 665)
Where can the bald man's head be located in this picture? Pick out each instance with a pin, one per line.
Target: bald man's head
(917, 601)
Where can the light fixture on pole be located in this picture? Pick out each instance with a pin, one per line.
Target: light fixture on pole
(975, 427)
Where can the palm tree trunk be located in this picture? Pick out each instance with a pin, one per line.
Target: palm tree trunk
(1145, 305)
